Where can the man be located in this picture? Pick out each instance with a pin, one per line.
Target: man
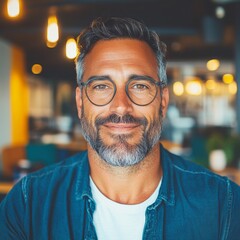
(125, 186)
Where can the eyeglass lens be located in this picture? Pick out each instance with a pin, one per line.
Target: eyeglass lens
(140, 92)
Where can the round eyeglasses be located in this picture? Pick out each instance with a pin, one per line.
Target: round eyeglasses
(141, 92)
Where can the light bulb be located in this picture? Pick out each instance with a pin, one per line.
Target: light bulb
(52, 30)
(13, 8)
(71, 48)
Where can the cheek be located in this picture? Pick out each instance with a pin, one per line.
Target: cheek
(92, 112)
(154, 117)
(152, 111)
(88, 111)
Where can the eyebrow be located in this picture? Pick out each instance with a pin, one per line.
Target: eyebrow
(100, 77)
(141, 77)
(132, 77)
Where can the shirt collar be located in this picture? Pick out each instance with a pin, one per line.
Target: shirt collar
(82, 178)
(166, 192)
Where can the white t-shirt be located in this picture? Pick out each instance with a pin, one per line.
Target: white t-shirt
(115, 221)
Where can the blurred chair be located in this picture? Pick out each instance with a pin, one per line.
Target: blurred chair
(10, 156)
(44, 154)
(199, 150)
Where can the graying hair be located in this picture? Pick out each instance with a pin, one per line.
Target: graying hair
(120, 28)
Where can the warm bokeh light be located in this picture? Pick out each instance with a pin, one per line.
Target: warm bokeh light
(52, 31)
(36, 69)
(213, 64)
(71, 48)
(178, 88)
(13, 8)
(232, 88)
(228, 78)
(211, 84)
(194, 87)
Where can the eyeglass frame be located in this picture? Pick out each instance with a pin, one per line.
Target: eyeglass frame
(92, 79)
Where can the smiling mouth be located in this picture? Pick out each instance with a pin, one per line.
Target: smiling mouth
(121, 127)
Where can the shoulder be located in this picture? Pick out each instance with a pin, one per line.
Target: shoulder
(189, 169)
(54, 187)
(211, 200)
(73, 163)
(68, 175)
(193, 178)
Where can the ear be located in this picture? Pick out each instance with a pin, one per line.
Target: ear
(79, 101)
(165, 101)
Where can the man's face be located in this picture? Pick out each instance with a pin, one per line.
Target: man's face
(121, 132)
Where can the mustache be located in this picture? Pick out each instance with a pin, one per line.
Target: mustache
(114, 118)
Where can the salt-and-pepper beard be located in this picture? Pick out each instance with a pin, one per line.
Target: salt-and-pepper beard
(122, 153)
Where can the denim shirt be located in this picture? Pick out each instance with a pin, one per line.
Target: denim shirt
(56, 203)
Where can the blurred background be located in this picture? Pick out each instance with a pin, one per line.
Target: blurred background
(38, 118)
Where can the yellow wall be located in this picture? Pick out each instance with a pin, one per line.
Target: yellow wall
(19, 98)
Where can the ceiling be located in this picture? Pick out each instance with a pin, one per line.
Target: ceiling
(189, 28)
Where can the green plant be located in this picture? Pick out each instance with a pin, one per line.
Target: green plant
(229, 144)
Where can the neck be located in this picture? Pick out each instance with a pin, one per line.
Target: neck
(126, 185)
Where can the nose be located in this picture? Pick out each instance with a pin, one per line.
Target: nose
(121, 104)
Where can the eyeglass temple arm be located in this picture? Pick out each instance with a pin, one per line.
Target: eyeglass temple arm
(161, 84)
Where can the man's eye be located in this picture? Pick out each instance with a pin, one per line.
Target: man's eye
(100, 87)
(140, 87)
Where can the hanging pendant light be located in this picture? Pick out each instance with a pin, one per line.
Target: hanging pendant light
(13, 8)
(71, 48)
(52, 31)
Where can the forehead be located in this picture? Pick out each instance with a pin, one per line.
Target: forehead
(120, 54)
